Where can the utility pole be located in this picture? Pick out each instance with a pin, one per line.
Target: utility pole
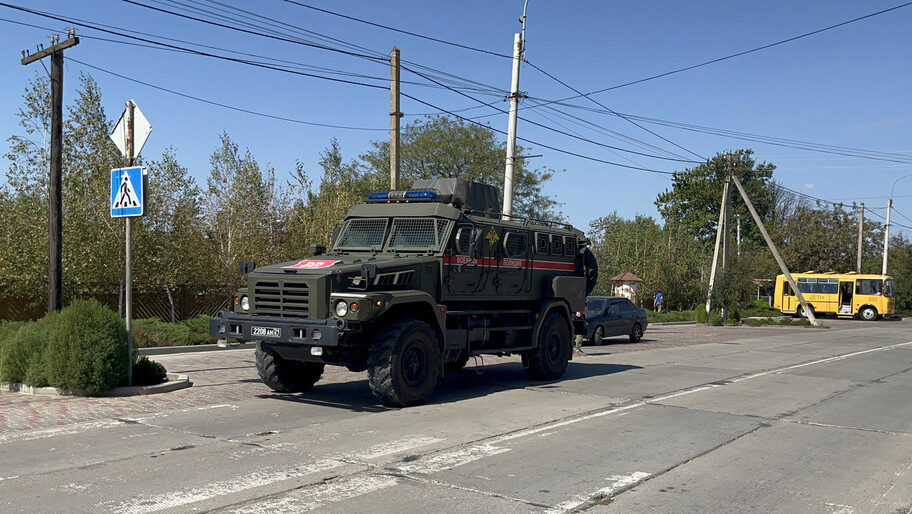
(395, 115)
(772, 247)
(55, 178)
(719, 228)
(726, 225)
(860, 237)
(887, 234)
(519, 41)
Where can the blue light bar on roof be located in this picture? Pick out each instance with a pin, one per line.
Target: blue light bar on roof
(416, 195)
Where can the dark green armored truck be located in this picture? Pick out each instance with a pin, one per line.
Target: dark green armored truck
(416, 283)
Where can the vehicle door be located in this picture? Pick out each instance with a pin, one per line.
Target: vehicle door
(596, 312)
(614, 324)
(846, 295)
(514, 272)
(466, 269)
(628, 315)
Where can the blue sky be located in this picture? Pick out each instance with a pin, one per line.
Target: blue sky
(846, 87)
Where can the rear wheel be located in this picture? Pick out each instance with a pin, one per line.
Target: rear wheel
(803, 313)
(404, 363)
(598, 335)
(636, 333)
(285, 376)
(868, 313)
(549, 359)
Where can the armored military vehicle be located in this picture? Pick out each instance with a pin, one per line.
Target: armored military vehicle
(417, 282)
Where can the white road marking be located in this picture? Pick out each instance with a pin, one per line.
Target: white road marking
(308, 499)
(267, 476)
(618, 482)
(76, 428)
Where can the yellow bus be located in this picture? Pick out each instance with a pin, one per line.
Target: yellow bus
(846, 295)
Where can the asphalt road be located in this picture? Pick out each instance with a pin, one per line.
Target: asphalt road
(692, 419)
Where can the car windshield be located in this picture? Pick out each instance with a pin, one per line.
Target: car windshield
(396, 234)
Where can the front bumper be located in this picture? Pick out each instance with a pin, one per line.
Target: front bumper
(276, 329)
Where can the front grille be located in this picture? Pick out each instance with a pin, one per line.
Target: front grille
(282, 298)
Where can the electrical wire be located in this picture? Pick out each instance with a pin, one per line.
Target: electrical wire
(218, 104)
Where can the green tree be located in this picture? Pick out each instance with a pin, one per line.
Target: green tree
(695, 198)
(243, 210)
(315, 214)
(438, 147)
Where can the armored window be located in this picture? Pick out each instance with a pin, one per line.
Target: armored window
(464, 240)
(569, 246)
(557, 245)
(416, 233)
(542, 243)
(362, 234)
(515, 244)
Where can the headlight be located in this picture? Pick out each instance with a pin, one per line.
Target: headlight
(245, 303)
(341, 308)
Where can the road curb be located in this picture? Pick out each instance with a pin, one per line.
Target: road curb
(165, 350)
(175, 382)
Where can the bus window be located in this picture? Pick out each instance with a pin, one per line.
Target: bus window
(888, 288)
(868, 286)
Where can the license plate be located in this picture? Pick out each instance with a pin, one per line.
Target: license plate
(266, 331)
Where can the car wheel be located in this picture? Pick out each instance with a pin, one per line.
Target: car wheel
(404, 363)
(549, 359)
(868, 313)
(598, 335)
(636, 333)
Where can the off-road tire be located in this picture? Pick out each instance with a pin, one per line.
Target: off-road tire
(404, 363)
(636, 333)
(285, 376)
(549, 359)
(598, 335)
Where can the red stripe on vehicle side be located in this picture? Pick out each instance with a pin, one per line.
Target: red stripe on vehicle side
(504, 263)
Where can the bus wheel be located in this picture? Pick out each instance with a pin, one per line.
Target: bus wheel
(868, 313)
(802, 313)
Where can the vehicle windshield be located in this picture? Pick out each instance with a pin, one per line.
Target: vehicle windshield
(888, 288)
(396, 234)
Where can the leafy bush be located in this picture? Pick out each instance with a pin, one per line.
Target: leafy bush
(87, 348)
(23, 354)
(669, 316)
(759, 308)
(700, 315)
(736, 316)
(153, 332)
(715, 319)
(147, 372)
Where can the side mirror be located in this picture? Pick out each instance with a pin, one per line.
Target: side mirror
(368, 271)
(247, 267)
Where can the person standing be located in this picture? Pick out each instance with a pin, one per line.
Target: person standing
(659, 301)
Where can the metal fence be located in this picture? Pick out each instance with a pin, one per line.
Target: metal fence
(173, 304)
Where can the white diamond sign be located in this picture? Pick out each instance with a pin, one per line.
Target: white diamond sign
(141, 131)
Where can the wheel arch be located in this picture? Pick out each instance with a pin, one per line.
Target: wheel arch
(420, 306)
(547, 308)
(873, 307)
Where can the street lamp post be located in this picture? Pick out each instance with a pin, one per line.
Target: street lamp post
(887, 227)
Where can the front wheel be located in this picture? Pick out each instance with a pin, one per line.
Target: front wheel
(636, 333)
(868, 313)
(598, 335)
(284, 376)
(549, 359)
(404, 363)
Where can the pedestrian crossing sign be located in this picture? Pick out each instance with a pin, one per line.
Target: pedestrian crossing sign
(127, 192)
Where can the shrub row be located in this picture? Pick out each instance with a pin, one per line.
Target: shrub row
(149, 333)
(83, 348)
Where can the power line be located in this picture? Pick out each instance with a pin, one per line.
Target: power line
(414, 34)
(739, 54)
(226, 106)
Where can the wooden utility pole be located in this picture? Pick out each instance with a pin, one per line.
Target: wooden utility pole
(55, 179)
(860, 237)
(395, 115)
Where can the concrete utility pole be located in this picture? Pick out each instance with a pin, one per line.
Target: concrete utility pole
(55, 179)
(395, 115)
(719, 229)
(519, 41)
(887, 228)
(726, 225)
(772, 247)
(860, 237)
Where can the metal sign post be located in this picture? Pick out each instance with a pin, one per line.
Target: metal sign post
(128, 199)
